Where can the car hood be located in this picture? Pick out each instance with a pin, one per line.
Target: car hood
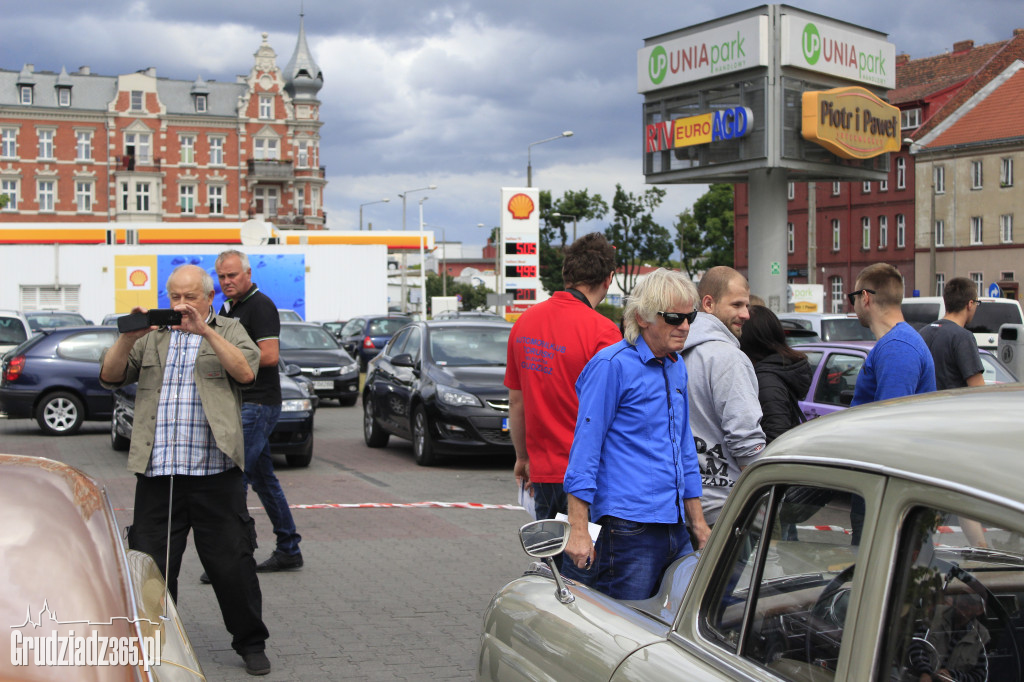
(485, 380)
(317, 358)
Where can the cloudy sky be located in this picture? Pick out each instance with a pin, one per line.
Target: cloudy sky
(421, 92)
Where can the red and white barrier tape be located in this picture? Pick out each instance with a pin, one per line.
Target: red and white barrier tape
(403, 505)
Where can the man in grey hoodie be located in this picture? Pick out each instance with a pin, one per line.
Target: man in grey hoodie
(725, 415)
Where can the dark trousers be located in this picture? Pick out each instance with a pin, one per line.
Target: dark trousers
(257, 423)
(213, 507)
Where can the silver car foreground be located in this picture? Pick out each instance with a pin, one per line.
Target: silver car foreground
(783, 591)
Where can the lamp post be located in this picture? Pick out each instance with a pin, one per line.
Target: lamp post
(575, 219)
(529, 148)
(405, 260)
(423, 266)
(444, 259)
(932, 269)
(497, 268)
(379, 201)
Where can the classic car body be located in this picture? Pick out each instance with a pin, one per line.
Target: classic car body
(784, 589)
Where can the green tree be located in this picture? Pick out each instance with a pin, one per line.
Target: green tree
(4, 198)
(579, 203)
(706, 232)
(637, 238)
(472, 297)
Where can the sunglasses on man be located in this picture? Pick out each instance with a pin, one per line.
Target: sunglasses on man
(852, 296)
(676, 319)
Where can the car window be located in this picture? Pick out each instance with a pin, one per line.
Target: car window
(12, 331)
(87, 346)
(412, 344)
(353, 327)
(466, 346)
(386, 326)
(994, 372)
(289, 316)
(838, 378)
(55, 320)
(394, 346)
(782, 604)
(845, 329)
(991, 315)
(955, 600)
(813, 358)
(306, 338)
(920, 313)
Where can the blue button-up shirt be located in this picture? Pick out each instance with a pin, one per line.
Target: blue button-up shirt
(632, 454)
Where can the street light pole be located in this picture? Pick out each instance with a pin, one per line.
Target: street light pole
(380, 201)
(575, 219)
(529, 149)
(423, 267)
(405, 259)
(444, 259)
(497, 268)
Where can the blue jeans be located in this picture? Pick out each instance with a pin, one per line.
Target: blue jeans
(631, 557)
(549, 499)
(257, 423)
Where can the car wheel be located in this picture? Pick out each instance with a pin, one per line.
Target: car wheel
(60, 414)
(117, 441)
(422, 443)
(373, 434)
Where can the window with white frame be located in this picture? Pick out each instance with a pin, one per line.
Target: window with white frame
(790, 238)
(83, 145)
(142, 190)
(266, 106)
(136, 100)
(976, 176)
(302, 156)
(83, 195)
(1006, 228)
(836, 188)
(45, 144)
(790, 191)
(9, 188)
(977, 233)
(300, 201)
(188, 149)
(266, 201)
(187, 199)
(940, 233)
(865, 233)
(314, 200)
(901, 231)
(200, 104)
(62, 297)
(901, 173)
(26, 94)
(64, 97)
(216, 195)
(883, 185)
(265, 148)
(9, 143)
(125, 196)
(883, 231)
(1006, 171)
(910, 118)
(979, 281)
(139, 146)
(866, 187)
(835, 235)
(1006, 276)
(216, 151)
(939, 179)
(46, 193)
(940, 283)
(836, 285)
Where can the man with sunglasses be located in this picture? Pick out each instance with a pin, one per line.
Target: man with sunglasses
(900, 363)
(725, 414)
(953, 348)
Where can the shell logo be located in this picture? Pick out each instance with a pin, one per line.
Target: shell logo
(521, 206)
(138, 278)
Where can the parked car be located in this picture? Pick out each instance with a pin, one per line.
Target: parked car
(334, 373)
(334, 327)
(831, 326)
(441, 385)
(54, 377)
(797, 334)
(836, 367)
(939, 476)
(292, 437)
(286, 315)
(14, 329)
(364, 336)
(991, 314)
(69, 580)
(51, 319)
(110, 320)
(467, 314)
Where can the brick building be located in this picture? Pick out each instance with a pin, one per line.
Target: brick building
(858, 223)
(81, 147)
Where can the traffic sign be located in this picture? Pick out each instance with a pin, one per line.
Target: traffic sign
(994, 291)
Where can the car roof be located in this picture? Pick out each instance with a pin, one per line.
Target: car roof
(840, 345)
(815, 316)
(465, 322)
(960, 439)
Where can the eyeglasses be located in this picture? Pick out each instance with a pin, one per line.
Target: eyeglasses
(852, 296)
(676, 319)
(976, 301)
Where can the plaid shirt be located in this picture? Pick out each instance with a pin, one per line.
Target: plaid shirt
(183, 443)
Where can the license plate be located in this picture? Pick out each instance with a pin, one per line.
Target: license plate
(323, 385)
(504, 424)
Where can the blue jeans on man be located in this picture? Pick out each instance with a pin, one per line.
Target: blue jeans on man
(631, 557)
(257, 423)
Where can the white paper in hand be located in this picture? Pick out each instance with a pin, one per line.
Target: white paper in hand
(525, 500)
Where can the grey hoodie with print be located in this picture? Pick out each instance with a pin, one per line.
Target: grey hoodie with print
(725, 415)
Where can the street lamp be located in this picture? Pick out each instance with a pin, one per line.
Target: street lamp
(497, 269)
(575, 219)
(405, 260)
(379, 201)
(444, 259)
(529, 148)
(931, 246)
(423, 267)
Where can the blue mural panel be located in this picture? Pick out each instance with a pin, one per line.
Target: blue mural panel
(282, 277)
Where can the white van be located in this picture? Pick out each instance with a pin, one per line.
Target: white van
(991, 314)
(14, 329)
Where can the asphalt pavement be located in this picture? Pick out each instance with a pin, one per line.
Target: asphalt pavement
(392, 591)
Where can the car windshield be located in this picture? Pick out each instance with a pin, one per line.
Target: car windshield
(12, 331)
(995, 372)
(38, 320)
(288, 316)
(306, 338)
(468, 346)
(991, 315)
(919, 314)
(387, 326)
(845, 329)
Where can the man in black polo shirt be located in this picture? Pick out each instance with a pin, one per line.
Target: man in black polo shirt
(261, 404)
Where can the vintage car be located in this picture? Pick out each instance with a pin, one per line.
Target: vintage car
(798, 582)
(69, 581)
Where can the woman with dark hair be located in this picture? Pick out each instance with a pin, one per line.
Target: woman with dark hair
(783, 374)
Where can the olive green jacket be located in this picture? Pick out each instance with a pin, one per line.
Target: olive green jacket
(219, 393)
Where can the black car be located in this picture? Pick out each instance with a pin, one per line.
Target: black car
(333, 371)
(291, 438)
(50, 319)
(441, 385)
(54, 377)
(364, 336)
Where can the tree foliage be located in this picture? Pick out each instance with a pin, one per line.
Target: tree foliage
(638, 240)
(706, 232)
(579, 203)
(473, 297)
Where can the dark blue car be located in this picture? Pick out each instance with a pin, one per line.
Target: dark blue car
(54, 377)
(364, 336)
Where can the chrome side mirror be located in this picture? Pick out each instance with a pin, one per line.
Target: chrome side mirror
(545, 540)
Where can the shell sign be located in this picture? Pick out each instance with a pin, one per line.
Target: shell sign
(850, 122)
(521, 206)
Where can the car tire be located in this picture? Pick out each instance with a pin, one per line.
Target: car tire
(117, 441)
(373, 434)
(303, 458)
(422, 443)
(60, 413)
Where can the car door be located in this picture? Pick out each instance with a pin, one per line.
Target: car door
(833, 383)
(84, 351)
(405, 379)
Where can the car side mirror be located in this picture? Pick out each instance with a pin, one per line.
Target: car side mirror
(292, 370)
(545, 540)
(403, 360)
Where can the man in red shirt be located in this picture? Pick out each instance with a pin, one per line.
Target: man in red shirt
(547, 350)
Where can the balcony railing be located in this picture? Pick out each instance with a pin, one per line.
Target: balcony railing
(141, 163)
(270, 169)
